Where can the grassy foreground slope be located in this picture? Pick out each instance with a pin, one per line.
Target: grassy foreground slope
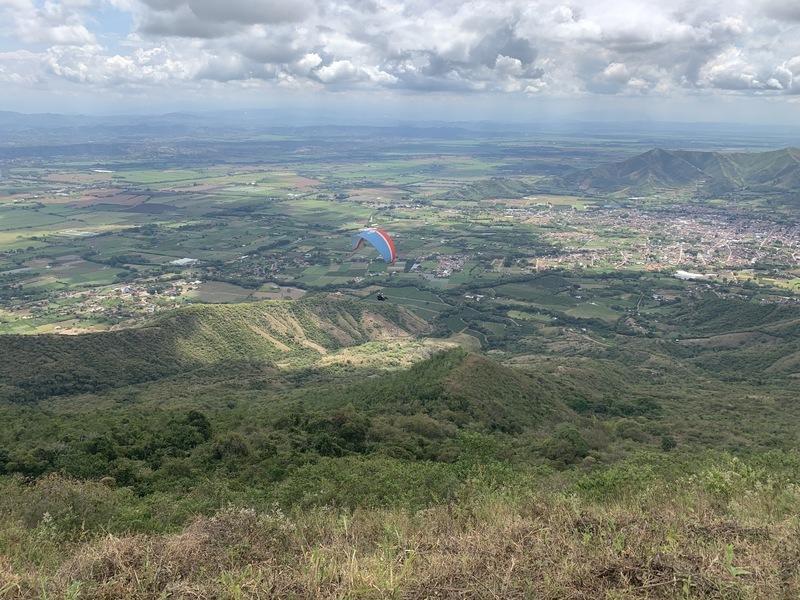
(724, 529)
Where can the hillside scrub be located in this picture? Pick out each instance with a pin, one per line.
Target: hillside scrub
(199, 337)
(728, 529)
(251, 467)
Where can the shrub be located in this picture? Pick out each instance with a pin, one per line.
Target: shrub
(566, 446)
(428, 427)
(668, 443)
(628, 429)
(67, 505)
(232, 445)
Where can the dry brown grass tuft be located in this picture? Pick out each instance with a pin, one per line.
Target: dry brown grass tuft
(11, 584)
(538, 548)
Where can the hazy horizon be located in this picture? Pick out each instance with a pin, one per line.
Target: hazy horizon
(275, 117)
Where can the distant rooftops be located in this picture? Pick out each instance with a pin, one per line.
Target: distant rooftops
(184, 262)
(689, 276)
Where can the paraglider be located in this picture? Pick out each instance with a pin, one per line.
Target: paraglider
(381, 240)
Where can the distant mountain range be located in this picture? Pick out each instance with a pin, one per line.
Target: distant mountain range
(703, 173)
(700, 174)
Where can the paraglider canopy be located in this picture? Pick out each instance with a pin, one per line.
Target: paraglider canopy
(381, 240)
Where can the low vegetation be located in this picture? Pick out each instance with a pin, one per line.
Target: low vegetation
(725, 528)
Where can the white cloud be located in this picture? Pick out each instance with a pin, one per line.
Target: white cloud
(310, 61)
(338, 71)
(786, 77)
(730, 70)
(58, 23)
(89, 66)
(574, 48)
(616, 72)
(511, 67)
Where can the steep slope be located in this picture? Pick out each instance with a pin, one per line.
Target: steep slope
(768, 171)
(739, 340)
(655, 168)
(706, 173)
(192, 338)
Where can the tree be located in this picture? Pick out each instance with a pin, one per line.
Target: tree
(668, 443)
(200, 422)
(566, 446)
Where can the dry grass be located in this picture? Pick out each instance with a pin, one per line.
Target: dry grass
(549, 547)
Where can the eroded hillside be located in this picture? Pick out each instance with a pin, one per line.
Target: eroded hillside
(272, 332)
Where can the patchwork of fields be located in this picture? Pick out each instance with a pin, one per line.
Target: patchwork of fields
(87, 245)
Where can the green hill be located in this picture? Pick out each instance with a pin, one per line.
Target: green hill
(706, 173)
(193, 338)
(738, 340)
(496, 187)
(460, 388)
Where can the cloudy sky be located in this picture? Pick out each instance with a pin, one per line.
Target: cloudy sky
(496, 59)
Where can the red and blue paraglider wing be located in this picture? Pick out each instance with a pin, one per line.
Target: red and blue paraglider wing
(381, 240)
